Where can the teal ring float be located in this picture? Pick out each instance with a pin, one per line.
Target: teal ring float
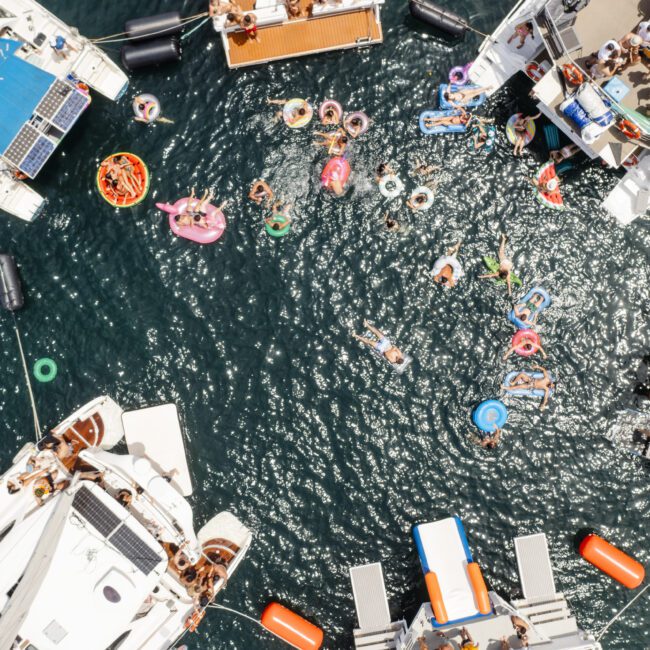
(45, 370)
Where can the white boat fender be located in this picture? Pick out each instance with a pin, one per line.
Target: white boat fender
(11, 294)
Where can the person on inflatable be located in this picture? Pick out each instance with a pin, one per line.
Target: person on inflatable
(490, 440)
(381, 344)
(448, 120)
(279, 218)
(330, 117)
(418, 201)
(355, 127)
(261, 192)
(445, 277)
(119, 173)
(550, 185)
(523, 31)
(391, 224)
(480, 136)
(528, 312)
(524, 381)
(383, 169)
(193, 215)
(520, 128)
(505, 266)
(297, 113)
(526, 343)
(335, 142)
(462, 97)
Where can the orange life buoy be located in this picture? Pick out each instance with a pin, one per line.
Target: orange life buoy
(192, 621)
(629, 129)
(21, 176)
(572, 74)
(534, 71)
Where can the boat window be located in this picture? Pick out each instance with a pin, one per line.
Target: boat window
(119, 641)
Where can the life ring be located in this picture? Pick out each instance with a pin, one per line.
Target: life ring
(282, 230)
(572, 74)
(534, 71)
(20, 176)
(334, 106)
(490, 415)
(629, 129)
(458, 75)
(534, 343)
(146, 107)
(428, 192)
(290, 114)
(391, 186)
(45, 370)
(352, 130)
(83, 88)
(105, 186)
(193, 620)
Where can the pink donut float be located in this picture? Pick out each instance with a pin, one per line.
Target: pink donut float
(216, 222)
(532, 347)
(336, 169)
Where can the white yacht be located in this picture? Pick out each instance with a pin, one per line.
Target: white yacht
(459, 598)
(98, 550)
(46, 71)
(568, 32)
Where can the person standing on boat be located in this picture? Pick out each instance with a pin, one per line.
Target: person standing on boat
(505, 266)
(61, 47)
(249, 25)
(523, 31)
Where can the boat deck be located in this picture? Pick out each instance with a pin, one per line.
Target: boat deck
(303, 36)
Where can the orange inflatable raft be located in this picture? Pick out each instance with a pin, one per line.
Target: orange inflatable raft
(290, 627)
(137, 174)
(612, 561)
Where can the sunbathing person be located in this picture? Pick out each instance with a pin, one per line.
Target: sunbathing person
(529, 312)
(355, 127)
(526, 343)
(419, 201)
(525, 381)
(505, 266)
(445, 276)
(381, 344)
(448, 120)
(261, 192)
(279, 218)
(520, 128)
(462, 97)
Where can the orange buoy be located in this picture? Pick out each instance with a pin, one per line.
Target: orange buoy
(290, 627)
(435, 598)
(612, 561)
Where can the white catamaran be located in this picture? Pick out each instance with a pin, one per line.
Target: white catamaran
(46, 70)
(568, 33)
(98, 550)
(459, 600)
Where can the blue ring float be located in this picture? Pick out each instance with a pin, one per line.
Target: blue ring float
(490, 415)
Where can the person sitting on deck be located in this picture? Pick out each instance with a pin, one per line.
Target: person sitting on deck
(505, 266)
(249, 24)
(521, 628)
(381, 344)
(524, 381)
(466, 640)
(523, 31)
(611, 50)
(235, 16)
(445, 276)
(463, 96)
(448, 120)
(601, 69)
(293, 8)
(279, 211)
(631, 44)
(261, 191)
(220, 7)
(551, 185)
(520, 128)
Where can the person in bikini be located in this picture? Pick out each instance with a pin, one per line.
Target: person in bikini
(446, 275)
(330, 117)
(354, 127)
(462, 97)
(249, 25)
(296, 113)
(505, 266)
(335, 142)
(279, 218)
(525, 381)
(381, 344)
(520, 128)
(529, 312)
(448, 120)
(418, 201)
(523, 31)
(261, 192)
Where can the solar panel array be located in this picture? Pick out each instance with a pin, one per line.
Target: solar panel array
(54, 99)
(68, 113)
(29, 150)
(118, 534)
(21, 144)
(37, 156)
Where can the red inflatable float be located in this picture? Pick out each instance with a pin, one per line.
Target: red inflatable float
(612, 561)
(290, 627)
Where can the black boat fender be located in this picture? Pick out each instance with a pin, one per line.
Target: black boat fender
(441, 18)
(11, 293)
(160, 50)
(161, 25)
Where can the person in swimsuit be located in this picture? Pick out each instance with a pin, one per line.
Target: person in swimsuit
(354, 127)
(234, 16)
(391, 224)
(335, 142)
(279, 211)
(549, 186)
(381, 344)
(520, 128)
(466, 640)
(446, 275)
(293, 8)
(422, 169)
(460, 98)
(261, 192)
(528, 312)
(249, 24)
(448, 120)
(220, 7)
(558, 155)
(383, 169)
(330, 117)
(418, 201)
(505, 266)
(526, 343)
(523, 31)
(524, 381)
(600, 69)
(521, 629)
(296, 114)
(491, 440)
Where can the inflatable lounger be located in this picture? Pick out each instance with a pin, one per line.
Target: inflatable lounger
(529, 321)
(442, 128)
(490, 140)
(399, 368)
(526, 392)
(445, 104)
(457, 591)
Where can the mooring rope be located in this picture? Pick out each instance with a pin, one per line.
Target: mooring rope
(616, 616)
(112, 38)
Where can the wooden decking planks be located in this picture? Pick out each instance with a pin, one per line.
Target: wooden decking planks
(300, 37)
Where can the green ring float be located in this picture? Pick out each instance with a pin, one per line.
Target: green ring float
(282, 231)
(45, 370)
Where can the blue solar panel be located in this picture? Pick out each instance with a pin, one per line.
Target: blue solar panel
(70, 111)
(37, 156)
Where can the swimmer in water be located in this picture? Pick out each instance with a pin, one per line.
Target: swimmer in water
(422, 169)
(354, 127)
(525, 381)
(526, 344)
(391, 224)
(381, 344)
(331, 117)
(261, 192)
(279, 218)
(490, 440)
(505, 266)
(296, 113)
(418, 201)
(445, 276)
(383, 169)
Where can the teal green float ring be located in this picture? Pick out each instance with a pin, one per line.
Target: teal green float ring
(45, 370)
(280, 232)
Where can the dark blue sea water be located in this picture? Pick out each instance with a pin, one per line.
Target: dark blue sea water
(325, 453)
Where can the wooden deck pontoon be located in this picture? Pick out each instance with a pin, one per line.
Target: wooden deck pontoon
(320, 28)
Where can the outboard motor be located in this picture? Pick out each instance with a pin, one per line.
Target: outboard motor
(441, 18)
(11, 294)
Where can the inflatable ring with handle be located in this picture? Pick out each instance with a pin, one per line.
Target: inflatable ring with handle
(629, 129)
(572, 74)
